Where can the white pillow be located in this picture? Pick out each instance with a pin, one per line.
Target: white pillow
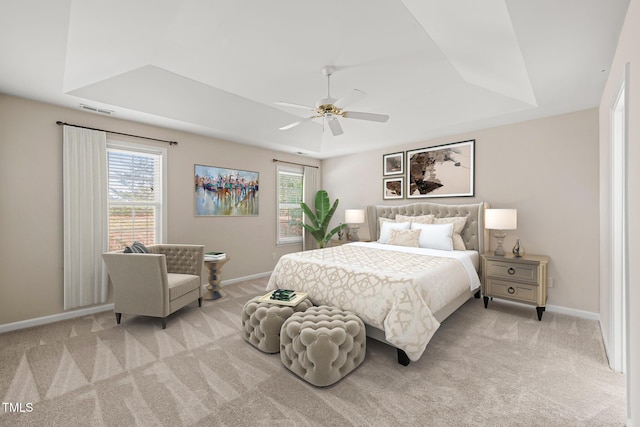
(458, 225)
(387, 226)
(383, 220)
(435, 236)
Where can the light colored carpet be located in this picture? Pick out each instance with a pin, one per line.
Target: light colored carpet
(494, 367)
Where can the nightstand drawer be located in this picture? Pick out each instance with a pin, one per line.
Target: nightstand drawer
(513, 271)
(519, 291)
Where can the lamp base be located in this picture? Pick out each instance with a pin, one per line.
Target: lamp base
(352, 234)
(500, 235)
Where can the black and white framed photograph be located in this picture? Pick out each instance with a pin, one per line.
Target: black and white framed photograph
(441, 171)
(393, 164)
(393, 188)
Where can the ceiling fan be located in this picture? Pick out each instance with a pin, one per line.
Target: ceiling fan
(329, 109)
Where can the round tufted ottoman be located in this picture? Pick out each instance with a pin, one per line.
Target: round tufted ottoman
(322, 344)
(261, 322)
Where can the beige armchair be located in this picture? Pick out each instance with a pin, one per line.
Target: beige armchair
(155, 283)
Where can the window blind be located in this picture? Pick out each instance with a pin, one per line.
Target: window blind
(289, 211)
(135, 197)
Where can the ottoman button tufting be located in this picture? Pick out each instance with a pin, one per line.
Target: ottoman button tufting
(262, 322)
(322, 344)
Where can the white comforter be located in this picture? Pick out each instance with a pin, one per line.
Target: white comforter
(393, 288)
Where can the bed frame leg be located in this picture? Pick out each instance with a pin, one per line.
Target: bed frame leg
(477, 294)
(403, 359)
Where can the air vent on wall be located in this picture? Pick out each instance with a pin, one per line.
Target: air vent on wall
(96, 109)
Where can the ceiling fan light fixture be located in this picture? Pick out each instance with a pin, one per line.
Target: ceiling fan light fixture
(334, 125)
(325, 101)
(330, 108)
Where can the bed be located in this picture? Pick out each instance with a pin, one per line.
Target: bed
(402, 293)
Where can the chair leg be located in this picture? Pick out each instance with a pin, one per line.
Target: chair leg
(200, 302)
(164, 323)
(118, 317)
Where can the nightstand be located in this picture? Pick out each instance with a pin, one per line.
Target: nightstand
(336, 242)
(521, 279)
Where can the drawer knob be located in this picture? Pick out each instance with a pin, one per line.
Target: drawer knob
(511, 290)
(511, 271)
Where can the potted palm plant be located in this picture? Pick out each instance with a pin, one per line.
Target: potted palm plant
(321, 218)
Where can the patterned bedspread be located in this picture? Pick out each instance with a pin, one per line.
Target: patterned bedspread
(392, 290)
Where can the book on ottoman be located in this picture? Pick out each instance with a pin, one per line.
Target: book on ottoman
(299, 296)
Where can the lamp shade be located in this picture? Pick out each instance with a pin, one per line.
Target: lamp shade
(501, 219)
(354, 216)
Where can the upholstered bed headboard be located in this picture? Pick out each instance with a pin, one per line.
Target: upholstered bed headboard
(473, 234)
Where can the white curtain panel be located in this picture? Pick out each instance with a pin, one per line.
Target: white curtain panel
(310, 185)
(85, 185)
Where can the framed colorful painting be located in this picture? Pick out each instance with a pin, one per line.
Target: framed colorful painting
(225, 192)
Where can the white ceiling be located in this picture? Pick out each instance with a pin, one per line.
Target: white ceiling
(436, 67)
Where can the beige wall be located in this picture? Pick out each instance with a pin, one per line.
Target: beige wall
(547, 169)
(627, 53)
(31, 207)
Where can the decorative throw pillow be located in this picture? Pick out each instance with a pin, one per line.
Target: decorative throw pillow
(458, 225)
(420, 219)
(136, 248)
(435, 236)
(387, 226)
(404, 238)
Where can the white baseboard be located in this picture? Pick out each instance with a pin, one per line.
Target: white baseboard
(240, 279)
(574, 312)
(561, 310)
(29, 323)
(245, 278)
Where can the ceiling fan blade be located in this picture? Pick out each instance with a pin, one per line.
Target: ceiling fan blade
(299, 122)
(335, 127)
(289, 104)
(365, 116)
(354, 96)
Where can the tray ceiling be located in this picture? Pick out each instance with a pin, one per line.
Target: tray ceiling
(216, 68)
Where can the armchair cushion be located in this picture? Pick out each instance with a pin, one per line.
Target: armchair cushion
(180, 284)
(156, 283)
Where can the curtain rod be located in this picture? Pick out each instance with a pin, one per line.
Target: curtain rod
(294, 163)
(59, 123)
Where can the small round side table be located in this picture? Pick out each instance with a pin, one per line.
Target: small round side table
(214, 290)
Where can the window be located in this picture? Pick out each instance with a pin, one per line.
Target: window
(289, 199)
(136, 194)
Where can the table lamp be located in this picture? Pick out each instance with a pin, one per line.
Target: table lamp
(353, 218)
(500, 220)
